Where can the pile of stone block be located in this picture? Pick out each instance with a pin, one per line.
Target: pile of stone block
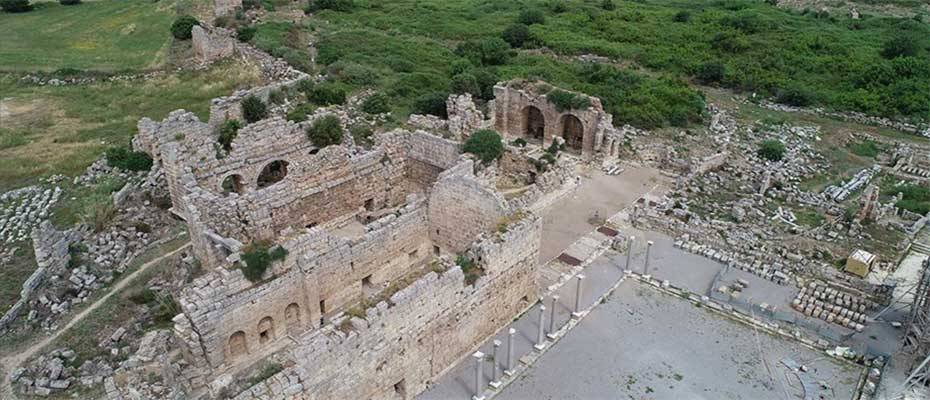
(832, 305)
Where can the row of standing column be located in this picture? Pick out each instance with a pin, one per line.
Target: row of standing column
(542, 335)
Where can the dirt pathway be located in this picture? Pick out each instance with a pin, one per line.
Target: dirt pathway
(11, 362)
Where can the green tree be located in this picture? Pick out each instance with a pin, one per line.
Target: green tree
(335, 5)
(489, 51)
(325, 131)
(711, 72)
(254, 109)
(901, 46)
(466, 83)
(432, 104)
(485, 144)
(182, 26)
(228, 132)
(608, 5)
(772, 150)
(516, 35)
(125, 159)
(15, 6)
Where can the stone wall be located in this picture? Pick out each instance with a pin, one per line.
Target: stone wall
(407, 342)
(225, 8)
(514, 100)
(211, 45)
(461, 208)
(321, 269)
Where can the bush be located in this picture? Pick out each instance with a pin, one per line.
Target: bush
(795, 96)
(123, 158)
(182, 26)
(253, 109)
(901, 46)
(709, 73)
(228, 132)
(772, 150)
(532, 16)
(487, 78)
(245, 33)
(432, 104)
(485, 144)
(300, 113)
(608, 5)
(258, 257)
(362, 135)
(69, 2)
(327, 94)
(276, 96)
(519, 142)
(490, 51)
(465, 83)
(516, 35)
(565, 101)
(354, 74)
(682, 16)
(335, 5)
(325, 131)
(376, 104)
(15, 6)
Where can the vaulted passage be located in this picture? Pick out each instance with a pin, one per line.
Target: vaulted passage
(534, 122)
(237, 345)
(233, 184)
(265, 330)
(273, 173)
(572, 132)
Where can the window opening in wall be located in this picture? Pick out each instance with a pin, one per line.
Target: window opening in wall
(436, 250)
(232, 184)
(366, 282)
(265, 330)
(370, 205)
(273, 173)
(322, 312)
(413, 254)
(312, 225)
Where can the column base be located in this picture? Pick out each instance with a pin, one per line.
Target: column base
(495, 384)
(577, 314)
(551, 336)
(510, 372)
(539, 346)
(476, 397)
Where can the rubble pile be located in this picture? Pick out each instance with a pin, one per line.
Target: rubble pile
(23, 209)
(832, 305)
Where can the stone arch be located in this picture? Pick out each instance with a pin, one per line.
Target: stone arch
(265, 331)
(232, 184)
(237, 345)
(273, 172)
(573, 132)
(534, 123)
(292, 319)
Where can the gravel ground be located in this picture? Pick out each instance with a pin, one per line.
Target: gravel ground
(642, 344)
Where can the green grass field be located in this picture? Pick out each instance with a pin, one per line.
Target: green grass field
(103, 35)
(51, 130)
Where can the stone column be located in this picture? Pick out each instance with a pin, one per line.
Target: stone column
(496, 370)
(479, 387)
(510, 334)
(629, 253)
(646, 266)
(578, 287)
(555, 300)
(540, 336)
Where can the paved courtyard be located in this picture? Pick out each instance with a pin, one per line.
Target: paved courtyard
(642, 344)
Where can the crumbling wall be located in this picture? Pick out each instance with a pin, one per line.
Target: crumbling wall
(464, 116)
(403, 344)
(513, 101)
(211, 45)
(225, 8)
(320, 267)
(461, 208)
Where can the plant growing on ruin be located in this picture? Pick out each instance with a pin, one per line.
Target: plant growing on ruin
(772, 150)
(376, 104)
(15, 6)
(485, 144)
(325, 131)
(257, 257)
(471, 270)
(465, 83)
(300, 113)
(254, 109)
(125, 159)
(519, 142)
(245, 33)
(565, 101)
(182, 26)
(228, 132)
(326, 94)
(362, 135)
(432, 104)
(516, 35)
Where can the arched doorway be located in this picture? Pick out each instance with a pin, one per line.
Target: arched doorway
(265, 330)
(573, 132)
(292, 319)
(273, 173)
(237, 345)
(232, 184)
(534, 123)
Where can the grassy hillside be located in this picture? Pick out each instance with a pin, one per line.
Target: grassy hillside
(796, 57)
(104, 35)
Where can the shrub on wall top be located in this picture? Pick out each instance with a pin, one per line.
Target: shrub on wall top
(182, 26)
(15, 6)
(325, 131)
(228, 132)
(258, 257)
(485, 144)
(254, 109)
